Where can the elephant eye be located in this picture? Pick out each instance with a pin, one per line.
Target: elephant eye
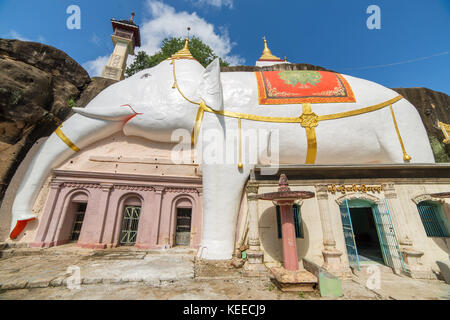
(146, 75)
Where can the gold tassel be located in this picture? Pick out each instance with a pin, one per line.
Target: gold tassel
(240, 165)
(406, 157)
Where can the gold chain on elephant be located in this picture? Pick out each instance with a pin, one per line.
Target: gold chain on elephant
(308, 120)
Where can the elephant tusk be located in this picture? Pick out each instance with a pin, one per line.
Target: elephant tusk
(110, 114)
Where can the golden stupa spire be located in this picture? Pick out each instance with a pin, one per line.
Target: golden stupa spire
(267, 54)
(183, 53)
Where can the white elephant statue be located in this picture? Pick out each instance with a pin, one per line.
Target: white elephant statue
(155, 102)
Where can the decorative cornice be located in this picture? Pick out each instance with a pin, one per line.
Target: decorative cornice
(181, 190)
(112, 177)
(361, 196)
(252, 189)
(82, 185)
(426, 197)
(321, 191)
(134, 188)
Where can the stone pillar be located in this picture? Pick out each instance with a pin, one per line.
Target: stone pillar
(290, 256)
(255, 257)
(156, 239)
(91, 235)
(47, 217)
(411, 255)
(331, 255)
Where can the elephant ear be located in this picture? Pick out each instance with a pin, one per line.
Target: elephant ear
(210, 89)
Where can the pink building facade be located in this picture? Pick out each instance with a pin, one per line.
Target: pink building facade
(103, 210)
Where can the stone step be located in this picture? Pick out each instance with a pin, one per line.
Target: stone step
(294, 281)
(72, 249)
(366, 269)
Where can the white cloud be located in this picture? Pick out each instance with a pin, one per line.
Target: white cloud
(95, 67)
(166, 22)
(15, 35)
(95, 39)
(215, 3)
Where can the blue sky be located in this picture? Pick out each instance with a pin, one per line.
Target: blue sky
(328, 33)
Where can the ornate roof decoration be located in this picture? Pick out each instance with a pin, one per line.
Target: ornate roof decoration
(267, 54)
(183, 53)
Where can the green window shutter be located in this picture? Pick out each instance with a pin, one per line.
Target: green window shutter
(297, 222)
(431, 220)
(278, 222)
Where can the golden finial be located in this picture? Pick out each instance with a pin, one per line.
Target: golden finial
(183, 53)
(267, 54)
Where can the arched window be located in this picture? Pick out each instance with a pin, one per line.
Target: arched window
(432, 219)
(297, 221)
(130, 221)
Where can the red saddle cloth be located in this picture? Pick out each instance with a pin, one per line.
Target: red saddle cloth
(303, 86)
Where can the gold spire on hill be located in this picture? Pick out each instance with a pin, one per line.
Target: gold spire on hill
(267, 54)
(183, 53)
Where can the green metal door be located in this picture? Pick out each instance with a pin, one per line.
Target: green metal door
(386, 234)
(350, 245)
(130, 225)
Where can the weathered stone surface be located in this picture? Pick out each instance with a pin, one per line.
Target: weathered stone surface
(92, 90)
(46, 58)
(433, 106)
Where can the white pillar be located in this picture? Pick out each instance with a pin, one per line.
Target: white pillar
(331, 255)
(254, 265)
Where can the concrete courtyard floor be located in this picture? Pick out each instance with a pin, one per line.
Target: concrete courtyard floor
(127, 273)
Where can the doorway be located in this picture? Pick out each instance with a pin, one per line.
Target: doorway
(130, 225)
(78, 221)
(360, 220)
(366, 236)
(183, 228)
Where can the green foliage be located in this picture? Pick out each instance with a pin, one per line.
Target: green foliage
(199, 50)
(15, 95)
(438, 147)
(71, 103)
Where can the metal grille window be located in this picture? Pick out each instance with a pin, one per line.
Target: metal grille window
(297, 221)
(130, 225)
(432, 219)
(78, 222)
(183, 229)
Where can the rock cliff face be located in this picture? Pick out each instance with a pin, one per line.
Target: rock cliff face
(39, 85)
(433, 106)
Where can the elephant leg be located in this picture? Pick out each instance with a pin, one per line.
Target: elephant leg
(81, 132)
(222, 191)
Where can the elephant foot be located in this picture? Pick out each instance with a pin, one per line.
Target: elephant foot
(215, 250)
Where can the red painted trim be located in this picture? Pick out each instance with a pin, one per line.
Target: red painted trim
(272, 60)
(20, 225)
(132, 116)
